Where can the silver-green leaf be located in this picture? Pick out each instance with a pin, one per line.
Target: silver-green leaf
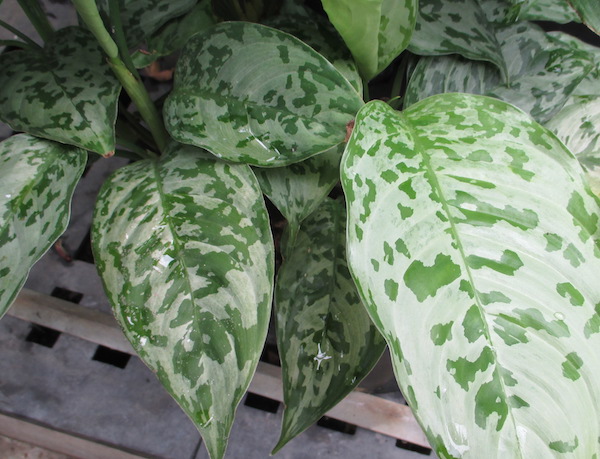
(326, 341)
(456, 27)
(375, 31)
(65, 92)
(37, 180)
(473, 240)
(184, 248)
(249, 93)
(589, 11)
(543, 72)
(298, 189)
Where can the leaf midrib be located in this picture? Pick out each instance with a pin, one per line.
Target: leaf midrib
(455, 233)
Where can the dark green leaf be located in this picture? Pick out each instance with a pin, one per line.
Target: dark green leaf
(66, 92)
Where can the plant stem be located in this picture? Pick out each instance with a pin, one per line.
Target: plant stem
(119, 36)
(133, 86)
(20, 35)
(141, 99)
(38, 18)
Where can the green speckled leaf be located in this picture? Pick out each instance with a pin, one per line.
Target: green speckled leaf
(543, 72)
(141, 18)
(249, 93)
(66, 93)
(298, 189)
(37, 180)
(185, 252)
(456, 27)
(589, 11)
(578, 126)
(326, 340)
(545, 10)
(473, 240)
(316, 31)
(174, 34)
(375, 31)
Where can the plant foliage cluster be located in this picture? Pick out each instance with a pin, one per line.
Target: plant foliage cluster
(465, 239)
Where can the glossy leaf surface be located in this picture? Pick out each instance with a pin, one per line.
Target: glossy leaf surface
(37, 180)
(314, 30)
(141, 18)
(185, 252)
(326, 341)
(375, 31)
(543, 72)
(545, 10)
(456, 27)
(493, 317)
(253, 94)
(65, 93)
(298, 189)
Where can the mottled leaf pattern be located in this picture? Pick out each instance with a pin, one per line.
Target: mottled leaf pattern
(298, 189)
(37, 180)
(578, 126)
(545, 10)
(589, 11)
(253, 94)
(326, 340)
(543, 72)
(141, 18)
(317, 32)
(472, 237)
(175, 33)
(66, 93)
(185, 252)
(456, 27)
(375, 31)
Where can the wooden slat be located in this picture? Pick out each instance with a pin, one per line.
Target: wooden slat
(57, 441)
(364, 410)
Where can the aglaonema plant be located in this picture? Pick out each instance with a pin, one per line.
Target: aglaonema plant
(464, 237)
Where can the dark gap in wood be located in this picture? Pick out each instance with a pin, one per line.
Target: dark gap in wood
(261, 403)
(412, 447)
(67, 295)
(43, 336)
(338, 426)
(111, 357)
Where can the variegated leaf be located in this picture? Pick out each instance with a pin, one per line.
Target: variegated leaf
(473, 239)
(589, 11)
(578, 126)
(316, 31)
(545, 10)
(253, 94)
(298, 189)
(185, 252)
(375, 31)
(66, 92)
(141, 18)
(326, 341)
(543, 72)
(456, 27)
(175, 33)
(37, 180)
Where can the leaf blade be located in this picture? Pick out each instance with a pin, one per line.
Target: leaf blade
(241, 101)
(37, 181)
(185, 253)
(501, 285)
